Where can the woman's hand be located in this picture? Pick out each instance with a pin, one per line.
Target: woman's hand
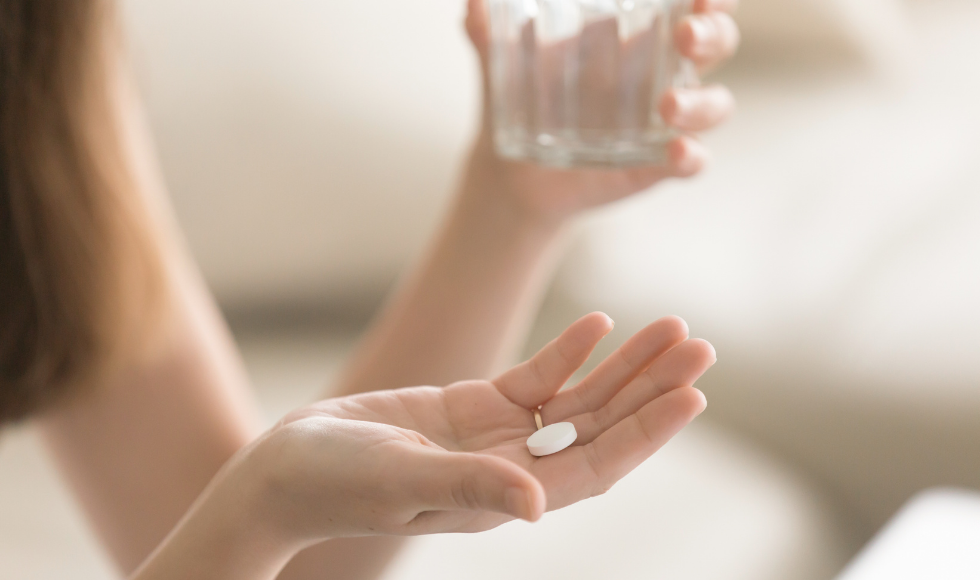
(426, 460)
(708, 36)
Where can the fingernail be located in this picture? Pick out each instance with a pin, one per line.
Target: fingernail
(714, 353)
(518, 503)
(704, 33)
(700, 29)
(684, 104)
(693, 161)
(704, 402)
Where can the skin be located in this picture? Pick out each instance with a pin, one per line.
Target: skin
(432, 460)
(139, 451)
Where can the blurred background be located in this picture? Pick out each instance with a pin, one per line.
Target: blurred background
(831, 253)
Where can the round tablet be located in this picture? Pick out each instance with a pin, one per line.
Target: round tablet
(551, 439)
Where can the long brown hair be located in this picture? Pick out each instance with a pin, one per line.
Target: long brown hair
(77, 266)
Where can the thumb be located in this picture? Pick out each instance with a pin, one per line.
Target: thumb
(478, 29)
(469, 481)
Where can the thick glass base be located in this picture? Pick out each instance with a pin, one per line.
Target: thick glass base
(550, 150)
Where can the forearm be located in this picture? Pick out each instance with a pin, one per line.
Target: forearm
(222, 536)
(140, 449)
(464, 311)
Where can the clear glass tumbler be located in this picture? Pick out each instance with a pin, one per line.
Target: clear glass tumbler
(579, 82)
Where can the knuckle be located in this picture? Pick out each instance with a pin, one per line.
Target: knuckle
(670, 106)
(602, 418)
(594, 462)
(459, 494)
(535, 366)
(465, 494)
(561, 348)
(582, 396)
(602, 488)
(644, 432)
(647, 382)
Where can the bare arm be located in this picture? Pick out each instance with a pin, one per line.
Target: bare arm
(139, 450)
(464, 311)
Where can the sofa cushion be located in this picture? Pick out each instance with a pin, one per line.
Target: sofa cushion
(308, 146)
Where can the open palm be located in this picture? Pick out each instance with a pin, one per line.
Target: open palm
(625, 410)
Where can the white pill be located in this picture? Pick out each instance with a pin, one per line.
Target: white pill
(551, 439)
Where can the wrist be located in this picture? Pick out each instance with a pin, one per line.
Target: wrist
(493, 188)
(256, 490)
(231, 531)
(244, 540)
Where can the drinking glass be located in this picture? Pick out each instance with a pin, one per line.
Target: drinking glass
(579, 82)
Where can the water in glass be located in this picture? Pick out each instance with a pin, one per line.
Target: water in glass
(578, 82)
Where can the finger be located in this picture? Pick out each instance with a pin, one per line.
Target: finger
(478, 29)
(729, 6)
(533, 382)
(686, 156)
(630, 442)
(681, 367)
(617, 370)
(477, 26)
(707, 38)
(588, 470)
(697, 109)
(601, 186)
(468, 481)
